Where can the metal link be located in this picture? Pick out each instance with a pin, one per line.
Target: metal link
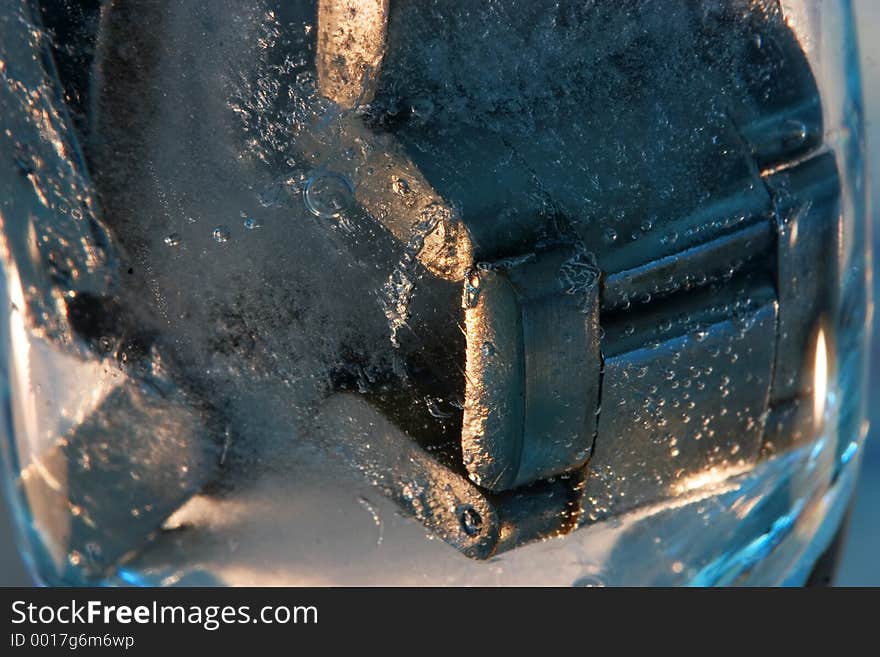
(806, 200)
(776, 105)
(682, 404)
(476, 522)
(445, 502)
(531, 323)
(715, 261)
(807, 204)
(706, 331)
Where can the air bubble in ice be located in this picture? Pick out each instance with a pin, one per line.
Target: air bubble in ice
(327, 194)
(221, 234)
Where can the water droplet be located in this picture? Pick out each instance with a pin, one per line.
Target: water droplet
(610, 235)
(221, 234)
(327, 194)
(250, 223)
(488, 349)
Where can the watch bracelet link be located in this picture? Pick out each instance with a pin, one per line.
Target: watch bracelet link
(714, 378)
(704, 364)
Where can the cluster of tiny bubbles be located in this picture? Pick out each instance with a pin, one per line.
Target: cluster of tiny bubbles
(326, 194)
(221, 234)
(172, 239)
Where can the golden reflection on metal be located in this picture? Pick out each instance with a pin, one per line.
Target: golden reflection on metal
(351, 42)
(820, 379)
(801, 18)
(491, 433)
